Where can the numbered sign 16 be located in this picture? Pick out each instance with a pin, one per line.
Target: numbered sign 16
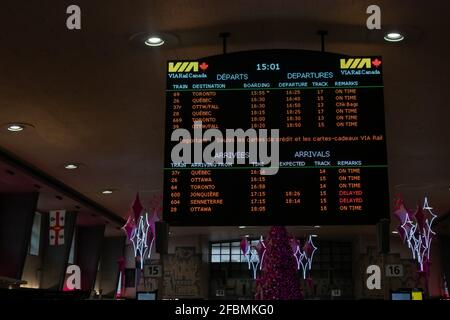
(394, 270)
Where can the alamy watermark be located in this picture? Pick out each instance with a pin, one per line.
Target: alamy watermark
(211, 148)
(373, 22)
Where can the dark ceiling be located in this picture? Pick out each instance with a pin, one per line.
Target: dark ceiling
(94, 98)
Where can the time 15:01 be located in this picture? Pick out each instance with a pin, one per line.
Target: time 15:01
(267, 66)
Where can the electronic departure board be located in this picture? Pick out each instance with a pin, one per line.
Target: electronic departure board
(320, 117)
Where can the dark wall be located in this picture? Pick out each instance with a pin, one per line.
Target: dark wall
(89, 244)
(55, 258)
(16, 221)
(112, 250)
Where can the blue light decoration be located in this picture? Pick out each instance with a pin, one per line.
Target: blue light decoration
(253, 254)
(151, 235)
(249, 256)
(142, 234)
(415, 229)
(253, 260)
(139, 239)
(303, 255)
(261, 249)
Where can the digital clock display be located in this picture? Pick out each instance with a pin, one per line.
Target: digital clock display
(329, 111)
(267, 66)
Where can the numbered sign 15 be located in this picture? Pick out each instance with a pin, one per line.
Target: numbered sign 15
(152, 271)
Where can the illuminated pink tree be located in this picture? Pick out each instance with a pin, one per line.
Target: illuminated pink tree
(279, 279)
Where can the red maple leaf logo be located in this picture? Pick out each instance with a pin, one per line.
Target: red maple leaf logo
(204, 66)
(376, 63)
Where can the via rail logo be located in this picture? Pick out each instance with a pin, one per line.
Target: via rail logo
(360, 63)
(360, 66)
(186, 66)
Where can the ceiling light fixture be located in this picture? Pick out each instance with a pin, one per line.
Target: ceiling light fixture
(317, 227)
(72, 166)
(242, 227)
(150, 39)
(108, 191)
(394, 232)
(15, 127)
(154, 41)
(314, 235)
(393, 37)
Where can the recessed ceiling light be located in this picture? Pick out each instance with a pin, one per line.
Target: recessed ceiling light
(247, 236)
(108, 191)
(15, 127)
(314, 235)
(154, 41)
(317, 227)
(242, 227)
(394, 232)
(72, 166)
(393, 37)
(146, 39)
